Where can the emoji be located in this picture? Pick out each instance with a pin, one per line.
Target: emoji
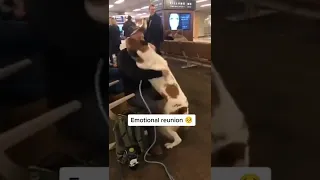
(188, 119)
(250, 177)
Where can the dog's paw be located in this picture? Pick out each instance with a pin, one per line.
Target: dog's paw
(169, 145)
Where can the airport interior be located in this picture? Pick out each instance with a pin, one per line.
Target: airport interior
(188, 53)
(55, 111)
(255, 94)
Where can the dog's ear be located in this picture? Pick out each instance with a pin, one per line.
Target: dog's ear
(144, 43)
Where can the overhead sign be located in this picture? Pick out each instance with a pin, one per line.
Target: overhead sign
(158, 4)
(174, 4)
(120, 19)
(179, 4)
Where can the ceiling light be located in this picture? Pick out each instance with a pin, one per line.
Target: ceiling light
(126, 13)
(139, 14)
(144, 13)
(205, 5)
(199, 1)
(119, 1)
(145, 7)
(110, 5)
(137, 10)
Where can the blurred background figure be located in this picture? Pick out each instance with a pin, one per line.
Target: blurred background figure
(114, 41)
(128, 27)
(144, 23)
(178, 36)
(154, 32)
(169, 35)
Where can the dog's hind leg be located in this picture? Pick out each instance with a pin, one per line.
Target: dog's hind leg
(176, 139)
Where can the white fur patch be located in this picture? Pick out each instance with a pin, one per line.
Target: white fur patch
(153, 61)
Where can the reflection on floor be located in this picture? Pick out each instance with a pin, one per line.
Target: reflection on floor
(202, 39)
(191, 159)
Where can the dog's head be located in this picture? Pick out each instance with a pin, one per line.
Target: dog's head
(136, 43)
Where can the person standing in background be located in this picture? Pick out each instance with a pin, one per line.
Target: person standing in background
(128, 27)
(154, 32)
(114, 40)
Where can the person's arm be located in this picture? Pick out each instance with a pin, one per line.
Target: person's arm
(128, 67)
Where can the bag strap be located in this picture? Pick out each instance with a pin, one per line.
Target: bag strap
(126, 133)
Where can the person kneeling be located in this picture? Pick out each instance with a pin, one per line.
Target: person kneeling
(131, 76)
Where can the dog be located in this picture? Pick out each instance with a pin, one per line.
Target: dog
(167, 86)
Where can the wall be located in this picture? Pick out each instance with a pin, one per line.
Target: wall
(200, 28)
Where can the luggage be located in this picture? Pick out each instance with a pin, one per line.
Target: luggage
(131, 142)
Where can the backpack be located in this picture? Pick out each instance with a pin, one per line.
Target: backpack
(128, 138)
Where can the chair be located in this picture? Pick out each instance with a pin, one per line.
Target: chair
(175, 47)
(204, 50)
(112, 105)
(9, 170)
(11, 69)
(189, 51)
(169, 45)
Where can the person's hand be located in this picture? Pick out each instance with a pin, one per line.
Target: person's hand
(152, 46)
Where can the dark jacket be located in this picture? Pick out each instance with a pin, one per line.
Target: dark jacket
(132, 75)
(128, 28)
(154, 32)
(114, 38)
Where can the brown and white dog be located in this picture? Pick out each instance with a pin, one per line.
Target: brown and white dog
(167, 85)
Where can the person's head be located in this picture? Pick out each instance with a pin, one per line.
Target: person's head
(174, 21)
(136, 40)
(138, 33)
(152, 9)
(129, 18)
(113, 22)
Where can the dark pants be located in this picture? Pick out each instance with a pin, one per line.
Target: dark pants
(150, 96)
(114, 74)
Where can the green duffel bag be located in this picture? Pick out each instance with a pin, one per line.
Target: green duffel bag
(131, 142)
